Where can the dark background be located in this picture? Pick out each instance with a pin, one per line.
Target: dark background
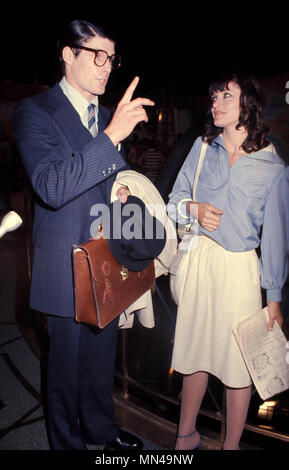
(177, 47)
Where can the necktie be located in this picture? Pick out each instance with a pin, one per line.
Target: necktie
(91, 119)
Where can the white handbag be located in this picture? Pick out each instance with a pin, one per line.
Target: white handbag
(178, 268)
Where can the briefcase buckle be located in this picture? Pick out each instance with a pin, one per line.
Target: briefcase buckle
(124, 273)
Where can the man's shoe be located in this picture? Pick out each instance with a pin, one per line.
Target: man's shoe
(125, 441)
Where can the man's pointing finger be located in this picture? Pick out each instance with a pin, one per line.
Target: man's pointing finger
(129, 91)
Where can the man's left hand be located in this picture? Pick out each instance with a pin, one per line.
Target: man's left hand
(123, 193)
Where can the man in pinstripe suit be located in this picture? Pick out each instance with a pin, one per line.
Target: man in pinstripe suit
(71, 160)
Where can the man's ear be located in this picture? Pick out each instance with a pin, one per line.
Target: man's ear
(67, 55)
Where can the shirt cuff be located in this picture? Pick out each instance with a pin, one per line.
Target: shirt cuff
(274, 295)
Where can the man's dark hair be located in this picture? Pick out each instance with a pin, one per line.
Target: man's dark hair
(78, 32)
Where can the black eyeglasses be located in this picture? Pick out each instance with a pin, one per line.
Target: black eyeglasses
(101, 57)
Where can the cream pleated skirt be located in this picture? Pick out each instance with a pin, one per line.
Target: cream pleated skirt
(217, 289)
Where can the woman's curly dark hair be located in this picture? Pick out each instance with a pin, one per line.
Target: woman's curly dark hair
(251, 111)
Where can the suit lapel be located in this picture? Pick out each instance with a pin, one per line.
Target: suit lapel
(68, 119)
(101, 120)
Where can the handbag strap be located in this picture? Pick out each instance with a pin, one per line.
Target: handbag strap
(198, 171)
(199, 167)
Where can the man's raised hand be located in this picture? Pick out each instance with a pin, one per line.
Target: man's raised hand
(127, 114)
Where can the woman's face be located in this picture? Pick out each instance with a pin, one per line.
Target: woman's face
(226, 106)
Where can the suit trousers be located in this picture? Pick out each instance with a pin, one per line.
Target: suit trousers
(80, 379)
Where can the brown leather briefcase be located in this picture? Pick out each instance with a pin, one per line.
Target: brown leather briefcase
(104, 288)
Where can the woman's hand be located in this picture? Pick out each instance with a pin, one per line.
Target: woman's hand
(274, 312)
(209, 217)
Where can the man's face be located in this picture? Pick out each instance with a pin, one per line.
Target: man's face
(81, 71)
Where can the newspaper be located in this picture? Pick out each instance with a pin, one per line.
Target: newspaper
(265, 355)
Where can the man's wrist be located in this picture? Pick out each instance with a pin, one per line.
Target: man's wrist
(112, 137)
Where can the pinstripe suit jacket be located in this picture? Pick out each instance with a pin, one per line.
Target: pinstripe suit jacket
(70, 171)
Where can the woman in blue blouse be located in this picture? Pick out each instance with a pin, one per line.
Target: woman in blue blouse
(217, 283)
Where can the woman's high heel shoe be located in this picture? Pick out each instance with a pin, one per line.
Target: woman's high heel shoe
(197, 447)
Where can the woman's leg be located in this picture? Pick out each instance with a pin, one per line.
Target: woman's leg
(238, 400)
(194, 388)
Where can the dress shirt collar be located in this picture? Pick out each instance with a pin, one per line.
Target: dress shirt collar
(219, 140)
(77, 100)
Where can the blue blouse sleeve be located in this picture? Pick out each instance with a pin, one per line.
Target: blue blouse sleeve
(275, 239)
(182, 189)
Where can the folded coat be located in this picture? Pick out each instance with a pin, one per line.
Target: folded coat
(140, 186)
